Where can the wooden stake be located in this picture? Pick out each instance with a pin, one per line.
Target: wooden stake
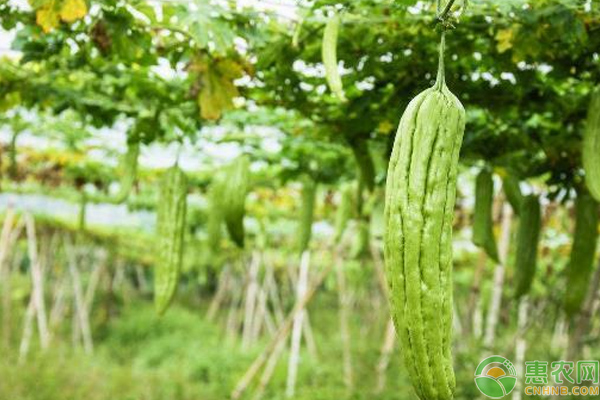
(344, 326)
(80, 306)
(37, 280)
(27, 330)
(521, 345)
(475, 318)
(297, 328)
(250, 300)
(496, 300)
(281, 335)
(6, 242)
(268, 371)
(384, 359)
(224, 284)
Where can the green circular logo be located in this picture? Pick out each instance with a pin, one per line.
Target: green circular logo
(495, 377)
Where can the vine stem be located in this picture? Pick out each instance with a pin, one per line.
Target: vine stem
(179, 150)
(444, 14)
(440, 80)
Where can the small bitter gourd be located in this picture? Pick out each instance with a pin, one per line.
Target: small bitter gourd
(127, 172)
(343, 212)
(419, 208)
(309, 194)
(329, 56)
(512, 191)
(528, 236)
(483, 222)
(585, 240)
(214, 220)
(591, 146)
(235, 191)
(170, 229)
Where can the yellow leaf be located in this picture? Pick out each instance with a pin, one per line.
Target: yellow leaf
(73, 10)
(217, 88)
(46, 17)
(504, 38)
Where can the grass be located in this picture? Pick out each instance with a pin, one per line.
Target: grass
(181, 356)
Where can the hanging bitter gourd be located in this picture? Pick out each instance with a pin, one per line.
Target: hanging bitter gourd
(528, 236)
(81, 218)
(235, 190)
(585, 240)
(170, 228)
(420, 196)
(591, 146)
(329, 56)
(483, 222)
(512, 191)
(309, 194)
(344, 211)
(214, 219)
(127, 172)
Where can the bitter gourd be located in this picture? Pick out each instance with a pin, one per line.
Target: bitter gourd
(512, 191)
(127, 172)
(344, 211)
(419, 208)
(214, 219)
(82, 211)
(170, 228)
(329, 56)
(309, 194)
(591, 146)
(235, 190)
(483, 223)
(528, 236)
(585, 240)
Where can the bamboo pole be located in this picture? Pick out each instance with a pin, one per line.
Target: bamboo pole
(268, 371)
(281, 335)
(496, 299)
(27, 330)
(219, 297)
(250, 300)
(80, 306)
(521, 344)
(297, 328)
(37, 279)
(5, 274)
(384, 359)
(344, 325)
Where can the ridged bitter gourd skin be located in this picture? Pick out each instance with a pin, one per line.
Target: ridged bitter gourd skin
(528, 237)
(329, 56)
(483, 221)
(585, 241)
(344, 211)
(170, 228)
(512, 191)
(309, 195)
(420, 197)
(235, 190)
(591, 146)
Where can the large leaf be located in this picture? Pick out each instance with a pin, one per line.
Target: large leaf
(217, 89)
